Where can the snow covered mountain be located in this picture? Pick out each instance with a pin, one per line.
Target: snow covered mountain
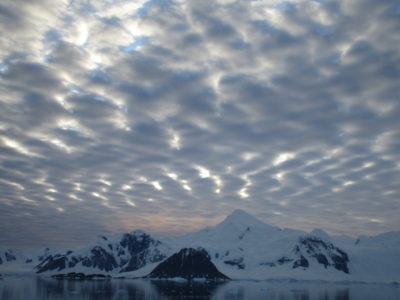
(6, 255)
(241, 247)
(124, 253)
(12, 261)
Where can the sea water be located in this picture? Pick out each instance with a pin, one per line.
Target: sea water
(40, 288)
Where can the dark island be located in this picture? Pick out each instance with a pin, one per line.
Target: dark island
(190, 264)
(80, 276)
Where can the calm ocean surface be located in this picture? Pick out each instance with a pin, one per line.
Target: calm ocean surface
(35, 288)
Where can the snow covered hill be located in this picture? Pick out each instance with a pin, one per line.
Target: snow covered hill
(123, 253)
(17, 261)
(241, 247)
(6, 255)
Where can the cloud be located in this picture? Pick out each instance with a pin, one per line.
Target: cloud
(167, 115)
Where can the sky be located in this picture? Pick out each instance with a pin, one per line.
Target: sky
(167, 115)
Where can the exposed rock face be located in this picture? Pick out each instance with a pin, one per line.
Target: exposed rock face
(56, 262)
(188, 263)
(143, 250)
(241, 246)
(8, 256)
(238, 262)
(312, 248)
(100, 259)
(80, 276)
(301, 262)
(324, 252)
(133, 251)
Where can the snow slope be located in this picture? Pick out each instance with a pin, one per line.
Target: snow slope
(121, 253)
(22, 261)
(241, 246)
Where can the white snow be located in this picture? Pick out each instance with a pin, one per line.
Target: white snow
(256, 247)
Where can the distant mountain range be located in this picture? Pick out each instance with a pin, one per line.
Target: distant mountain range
(240, 247)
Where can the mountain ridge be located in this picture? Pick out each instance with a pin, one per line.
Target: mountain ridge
(241, 247)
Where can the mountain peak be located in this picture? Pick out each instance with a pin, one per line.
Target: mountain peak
(240, 214)
(138, 232)
(320, 233)
(242, 220)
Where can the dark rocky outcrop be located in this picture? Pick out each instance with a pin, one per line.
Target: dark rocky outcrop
(188, 263)
(10, 256)
(80, 276)
(236, 262)
(301, 262)
(269, 264)
(133, 251)
(141, 259)
(100, 259)
(324, 252)
(322, 260)
(138, 246)
(340, 262)
(244, 233)
(312, 248)
(56, 262)
(284, 260)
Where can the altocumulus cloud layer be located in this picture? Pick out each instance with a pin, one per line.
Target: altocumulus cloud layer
(167, 115)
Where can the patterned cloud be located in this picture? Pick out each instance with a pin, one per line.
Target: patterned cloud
(167, 115)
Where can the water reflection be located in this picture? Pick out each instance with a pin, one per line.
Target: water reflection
(35, 288)
(278, 291)
(343, 294)
(183, 290)
(52, 289)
